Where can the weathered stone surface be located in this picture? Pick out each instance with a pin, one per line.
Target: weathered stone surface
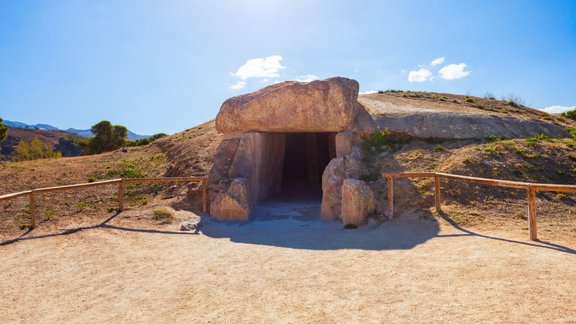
(357, 202)
(345, 141)
(352, 168)
(332, 179)
(190, 224)
(259, 159)
(422, 122)
(318, 106)
(234, 204)
(218, 178)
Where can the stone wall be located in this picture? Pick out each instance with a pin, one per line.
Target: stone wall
(255, 157)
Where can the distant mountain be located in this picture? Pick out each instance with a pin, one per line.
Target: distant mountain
(80, 132)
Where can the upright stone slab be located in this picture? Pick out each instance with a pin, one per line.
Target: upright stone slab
(357, 202)
(233, 204)
(332, 179)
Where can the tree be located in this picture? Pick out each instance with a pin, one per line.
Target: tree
(569, 114)
(68, 146)
(36, 149)
(3, 130)
(107, 137)
(22, 151)
(147, 140)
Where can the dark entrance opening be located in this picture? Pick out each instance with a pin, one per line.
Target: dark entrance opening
(305, 158)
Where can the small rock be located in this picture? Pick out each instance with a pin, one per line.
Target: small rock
(189, 225)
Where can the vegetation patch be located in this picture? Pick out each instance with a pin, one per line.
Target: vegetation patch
(163, 216)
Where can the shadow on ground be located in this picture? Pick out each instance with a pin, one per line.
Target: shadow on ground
(396, 234)
(105, 224)
(297, 230)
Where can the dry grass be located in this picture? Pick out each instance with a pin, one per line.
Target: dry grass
(184, 154)
(546, 161)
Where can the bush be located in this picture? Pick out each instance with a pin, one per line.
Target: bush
(515, 101)
(438, 147)
(378, 139)
(570, 114)
(147, 140)
(492, 138)
(532, 141)
(163, 215)
(3, 130)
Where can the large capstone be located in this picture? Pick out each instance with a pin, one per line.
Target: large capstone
(318, 106)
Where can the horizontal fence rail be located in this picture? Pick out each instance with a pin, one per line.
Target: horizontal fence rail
(121, 185)
(531, 189)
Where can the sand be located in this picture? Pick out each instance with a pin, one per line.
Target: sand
(287, 270)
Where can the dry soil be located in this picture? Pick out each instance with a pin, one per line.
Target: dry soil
(287, 270)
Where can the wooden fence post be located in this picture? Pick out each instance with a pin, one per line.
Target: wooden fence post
(437, 193)
(32, 209)
(204, 196)
(391, 196)
(532, 214)
(121, 195)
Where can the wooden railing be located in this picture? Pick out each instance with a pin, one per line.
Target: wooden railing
(531, 189)
(121, 185)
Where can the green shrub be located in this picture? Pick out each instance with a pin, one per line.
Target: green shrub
(378, 139)
(532, 141)
(570, 114)
(80, 206)
(515, 101)
(48, 214)
(492, 138)
(163, 215)
(438, 147)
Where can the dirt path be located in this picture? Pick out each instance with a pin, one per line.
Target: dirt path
(288, 271)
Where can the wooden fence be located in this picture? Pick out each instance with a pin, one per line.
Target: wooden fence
(121, 185)
(531, 189)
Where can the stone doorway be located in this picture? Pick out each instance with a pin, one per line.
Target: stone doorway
(279, 141)
(306, 155)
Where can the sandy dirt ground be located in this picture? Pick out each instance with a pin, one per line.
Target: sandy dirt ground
(287, 270)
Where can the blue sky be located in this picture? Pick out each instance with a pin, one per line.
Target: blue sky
(164, 66)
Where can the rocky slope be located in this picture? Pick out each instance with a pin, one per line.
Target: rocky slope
(447, 116)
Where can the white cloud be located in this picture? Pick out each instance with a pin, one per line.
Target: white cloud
(306, 78)
(238, 85)
(368, 92)
(454, 71)
(556, 109)
(421, 75)
(261, 67)
(437, 61)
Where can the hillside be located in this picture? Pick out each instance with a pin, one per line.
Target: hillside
(184, 154)
(189, 153)
(451, 116)
(48, 137)
(79, 132)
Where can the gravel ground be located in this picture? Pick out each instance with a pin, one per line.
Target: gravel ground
(287, 270)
